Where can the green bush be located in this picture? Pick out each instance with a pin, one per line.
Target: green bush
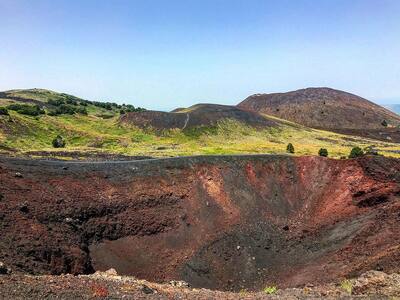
(71, 101)
(66, 109)
(25, 109)
(131, 108)
(58, 142)
(270, 290)
(81, 110)
(290, 148)
(384, 123)
(323, 152)
(356, 152)
(56, 102)
(3, 111)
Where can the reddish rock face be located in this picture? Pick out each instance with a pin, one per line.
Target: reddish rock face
(329, 109)
(227, 222)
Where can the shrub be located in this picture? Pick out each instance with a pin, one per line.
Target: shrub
(356, 152)
(58, 142)
(3, 111)
(370, 150)
(56, 102)
(81, 110)
(347, 285)
(71, 101)
(25, 109)
(131, 108)
(66, 109)
(323, 152)
(270, 290)
(384, 123)
(290, 148)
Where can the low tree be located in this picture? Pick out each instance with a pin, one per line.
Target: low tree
(384, 123)
(290, 148)
(356, 152)
(26, 109)
(323, 152)
(58, 142)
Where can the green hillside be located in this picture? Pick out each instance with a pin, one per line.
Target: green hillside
(89, 126)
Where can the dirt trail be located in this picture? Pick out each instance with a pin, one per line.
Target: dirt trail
(220, 222)
(186, 121)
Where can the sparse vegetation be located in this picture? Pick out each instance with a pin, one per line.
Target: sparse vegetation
(270, 290)
(290, 148)
(347, 286)
(323, 152)
(356, 152)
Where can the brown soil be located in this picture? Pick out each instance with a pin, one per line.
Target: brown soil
(226, 222)
(371, 285)
(197, 115)
(328, 109)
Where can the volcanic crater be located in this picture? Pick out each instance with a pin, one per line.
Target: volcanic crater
(218, 222)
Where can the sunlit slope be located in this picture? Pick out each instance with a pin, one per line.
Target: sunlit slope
(101, 130)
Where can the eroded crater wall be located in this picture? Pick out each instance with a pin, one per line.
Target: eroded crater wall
(227, 222)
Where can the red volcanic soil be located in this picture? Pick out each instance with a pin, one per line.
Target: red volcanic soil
(226, 222)
(328, 109)
(197, 115)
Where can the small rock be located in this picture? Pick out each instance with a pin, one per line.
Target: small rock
(179, 283)
(111, 272)
(4, 270)
(147, 290)
(68, 220)
(369, 281)
(18, 175)
(238, 247)
(24, 207)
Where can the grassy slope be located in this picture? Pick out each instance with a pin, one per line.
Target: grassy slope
(93, 133)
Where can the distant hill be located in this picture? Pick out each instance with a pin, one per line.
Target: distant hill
(30, 120)
(328, 109)
(322, 108)
(196, 115)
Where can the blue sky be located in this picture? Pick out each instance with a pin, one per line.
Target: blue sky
(164, 54)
